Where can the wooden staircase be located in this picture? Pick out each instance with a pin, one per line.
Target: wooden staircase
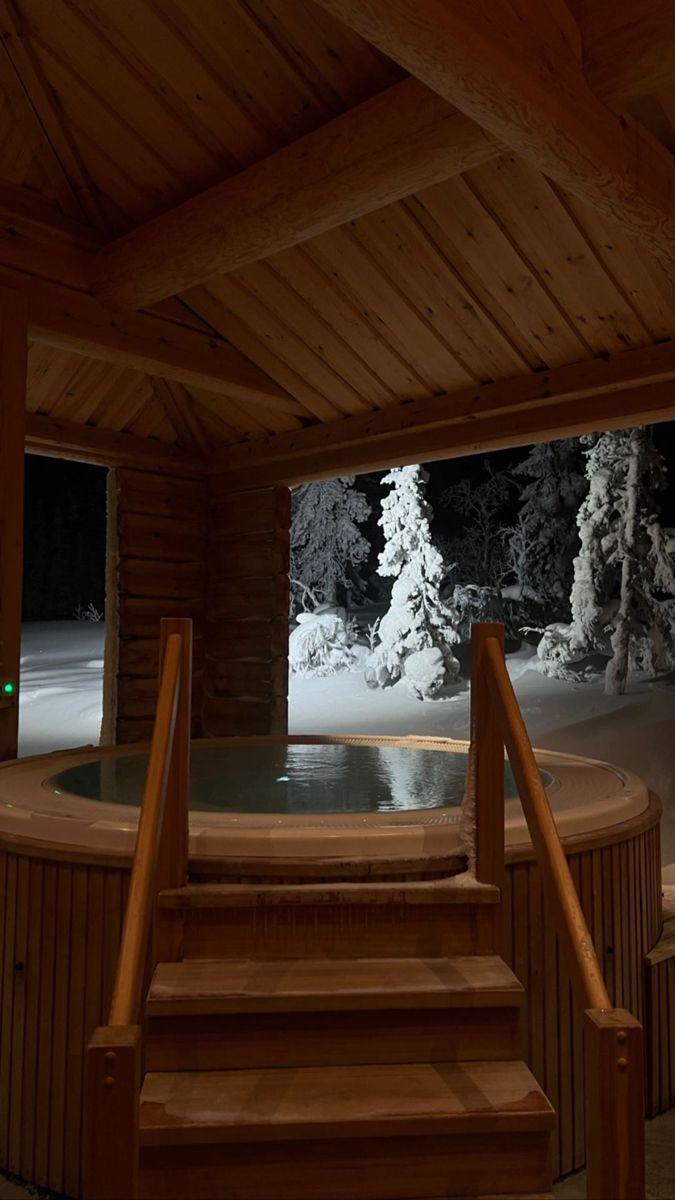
(344, 1041)
(337, 1077)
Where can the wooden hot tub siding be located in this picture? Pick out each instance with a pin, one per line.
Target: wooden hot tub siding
(60, 931)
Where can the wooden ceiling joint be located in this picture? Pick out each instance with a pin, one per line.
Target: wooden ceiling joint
(511, 69)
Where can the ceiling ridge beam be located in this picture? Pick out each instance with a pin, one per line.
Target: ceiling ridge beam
(635, 387)
(510, 68)
(397, 143)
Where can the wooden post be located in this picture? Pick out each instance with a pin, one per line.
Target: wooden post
(487, 746)
(111, 1101)
(173, 847)
(13, 355)
(615, 1105)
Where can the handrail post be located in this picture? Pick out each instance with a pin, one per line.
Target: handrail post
(615, 1105)
(173, 847)
(487, 744)
(111, 1132)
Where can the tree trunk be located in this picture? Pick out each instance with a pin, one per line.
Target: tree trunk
(617, 668)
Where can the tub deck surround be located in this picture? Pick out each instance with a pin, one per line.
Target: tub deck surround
(587, 797)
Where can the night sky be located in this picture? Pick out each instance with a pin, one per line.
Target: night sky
(64, 543)
(64, 551)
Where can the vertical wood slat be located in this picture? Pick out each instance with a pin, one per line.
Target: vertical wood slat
(488, 751)
(13, 360)
(556, 1048)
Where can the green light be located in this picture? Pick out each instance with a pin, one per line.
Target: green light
(8, 689)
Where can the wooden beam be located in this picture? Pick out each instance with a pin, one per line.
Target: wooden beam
(13, 358)
(71, 320)
(88, 443)
(629, 48)
(393, 145)
(633, 388)
(511, 69)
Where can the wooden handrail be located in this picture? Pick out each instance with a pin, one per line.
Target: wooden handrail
(131, 964)
(115, 1051)
(589, 986)
(613, 1042)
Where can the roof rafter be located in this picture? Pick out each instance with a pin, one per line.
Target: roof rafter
(398, 142)
(511, 68)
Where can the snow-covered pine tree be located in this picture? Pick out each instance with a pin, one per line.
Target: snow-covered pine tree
(327, 545)
(418, 632)
(545, 540)
(624, 578)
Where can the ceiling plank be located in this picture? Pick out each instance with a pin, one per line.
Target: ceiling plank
(72, 320)
(401, 141)
(181, 413)
(629, 48)
(87, 443)
(607, 393)
(17, 59)
(511, 69)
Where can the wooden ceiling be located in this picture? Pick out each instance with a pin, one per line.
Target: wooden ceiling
(113, 114)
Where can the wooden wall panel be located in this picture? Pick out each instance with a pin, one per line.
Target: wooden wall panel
(246, 652)
(59, 942)
(161, 557)
(619, 889)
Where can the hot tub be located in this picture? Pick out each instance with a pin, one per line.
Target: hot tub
(392, 812)
(301, 797)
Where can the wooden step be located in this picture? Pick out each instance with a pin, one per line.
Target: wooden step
(341, 920)
(345, 1133)
(195, 987)
(235, 1014)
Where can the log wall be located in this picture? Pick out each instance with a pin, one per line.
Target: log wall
(161, 572)
(246, 653)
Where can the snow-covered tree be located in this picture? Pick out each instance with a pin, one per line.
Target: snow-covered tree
(327, 545)
(545, 540)
(418, 631)
(480, 551)
(624, 578)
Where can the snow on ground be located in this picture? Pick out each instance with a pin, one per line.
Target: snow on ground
(62, 663)
(60, 698)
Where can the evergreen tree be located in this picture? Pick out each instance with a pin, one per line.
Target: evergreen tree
(418, 631)
(545, 540)
(624, 581)
(327, 545)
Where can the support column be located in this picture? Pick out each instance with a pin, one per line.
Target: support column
(246, 652)
(160, 572)
(13, 357)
